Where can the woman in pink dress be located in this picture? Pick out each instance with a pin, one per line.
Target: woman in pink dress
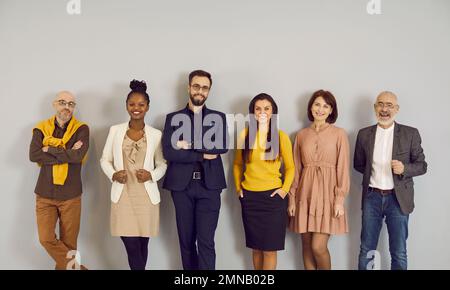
(321, 182)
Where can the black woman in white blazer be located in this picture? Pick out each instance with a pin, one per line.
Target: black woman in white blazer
(133, 161)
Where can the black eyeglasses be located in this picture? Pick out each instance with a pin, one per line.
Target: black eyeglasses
(197, 88)
(63, 103)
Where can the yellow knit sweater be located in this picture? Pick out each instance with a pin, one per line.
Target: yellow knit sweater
(262, 175)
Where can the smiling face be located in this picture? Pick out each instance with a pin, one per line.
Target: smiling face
(263, 111)
(64, 106)
(320, 110)
(386, 108)
(198, 90)
(137, 106)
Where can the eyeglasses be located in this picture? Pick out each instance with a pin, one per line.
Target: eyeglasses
(63, 103)
(197, 88)
(388, 106)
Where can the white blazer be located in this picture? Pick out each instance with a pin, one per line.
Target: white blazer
(112, 160)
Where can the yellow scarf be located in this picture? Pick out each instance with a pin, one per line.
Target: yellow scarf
(47, 127)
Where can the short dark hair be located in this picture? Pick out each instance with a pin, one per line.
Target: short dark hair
(200, 73)
(329, 99)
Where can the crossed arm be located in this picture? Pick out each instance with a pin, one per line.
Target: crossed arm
(183, 153)
(53, 155)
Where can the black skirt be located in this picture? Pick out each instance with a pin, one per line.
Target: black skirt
(265, 219)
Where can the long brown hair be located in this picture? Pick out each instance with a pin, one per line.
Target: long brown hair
(272, 125)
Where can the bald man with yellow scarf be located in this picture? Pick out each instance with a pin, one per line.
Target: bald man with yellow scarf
(59, 146)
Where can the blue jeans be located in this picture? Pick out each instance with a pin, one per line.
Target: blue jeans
(375, 207)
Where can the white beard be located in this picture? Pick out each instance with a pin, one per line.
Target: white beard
(387, 122)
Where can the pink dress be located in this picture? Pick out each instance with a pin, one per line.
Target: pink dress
(322, 179)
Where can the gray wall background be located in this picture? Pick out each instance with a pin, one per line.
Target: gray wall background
(286, 48)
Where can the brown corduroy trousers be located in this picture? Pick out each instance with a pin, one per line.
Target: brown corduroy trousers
(68, 212)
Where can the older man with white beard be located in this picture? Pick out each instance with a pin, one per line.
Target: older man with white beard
(388, 155)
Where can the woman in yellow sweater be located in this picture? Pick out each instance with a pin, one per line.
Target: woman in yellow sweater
(261, 149)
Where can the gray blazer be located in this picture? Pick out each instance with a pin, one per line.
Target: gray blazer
(407, 149)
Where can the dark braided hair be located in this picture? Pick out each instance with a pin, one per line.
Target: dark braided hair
(139, 87)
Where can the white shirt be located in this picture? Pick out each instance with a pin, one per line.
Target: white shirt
(381, 176)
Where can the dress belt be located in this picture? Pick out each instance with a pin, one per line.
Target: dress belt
(320, 164)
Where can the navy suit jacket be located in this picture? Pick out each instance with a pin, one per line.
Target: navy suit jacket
(183, 162)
